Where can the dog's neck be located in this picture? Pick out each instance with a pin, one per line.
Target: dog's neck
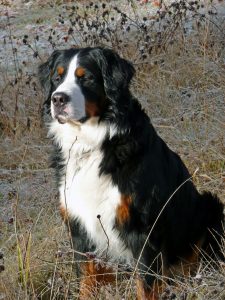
(88, 136)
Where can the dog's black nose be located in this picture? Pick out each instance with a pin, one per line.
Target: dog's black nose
(60, 99)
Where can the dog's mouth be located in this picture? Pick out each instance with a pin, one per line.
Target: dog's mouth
(65, 115)
(62, 115)
(64, 118)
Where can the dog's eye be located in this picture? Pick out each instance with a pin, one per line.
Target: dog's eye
(79, 72)
(58, 78)
(60, 71)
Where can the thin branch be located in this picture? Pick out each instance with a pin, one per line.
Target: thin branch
(99, 218)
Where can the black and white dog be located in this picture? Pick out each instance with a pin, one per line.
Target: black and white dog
(125, 195)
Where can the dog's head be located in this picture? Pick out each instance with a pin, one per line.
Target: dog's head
(84, 83)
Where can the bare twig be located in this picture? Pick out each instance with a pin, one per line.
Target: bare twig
(99, 218)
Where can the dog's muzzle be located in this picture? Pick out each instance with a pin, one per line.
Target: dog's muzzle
(59, 101)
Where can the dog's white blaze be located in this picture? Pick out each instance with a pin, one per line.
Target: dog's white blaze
(76, 107)
(83, 192)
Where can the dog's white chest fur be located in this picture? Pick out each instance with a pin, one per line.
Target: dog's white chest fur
(84, 193)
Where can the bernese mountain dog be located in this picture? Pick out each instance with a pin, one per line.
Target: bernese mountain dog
(125, 196)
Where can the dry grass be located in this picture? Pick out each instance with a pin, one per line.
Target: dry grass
(181, 86)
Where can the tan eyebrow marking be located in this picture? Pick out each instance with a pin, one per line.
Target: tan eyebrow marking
(80, 72)
(60, 70)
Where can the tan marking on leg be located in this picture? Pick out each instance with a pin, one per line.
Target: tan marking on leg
(147, 293)
(95, 276)
(188, 265)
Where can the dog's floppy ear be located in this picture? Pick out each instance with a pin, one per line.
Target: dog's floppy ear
(116, 71)
(45, 71)
(44, 74)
